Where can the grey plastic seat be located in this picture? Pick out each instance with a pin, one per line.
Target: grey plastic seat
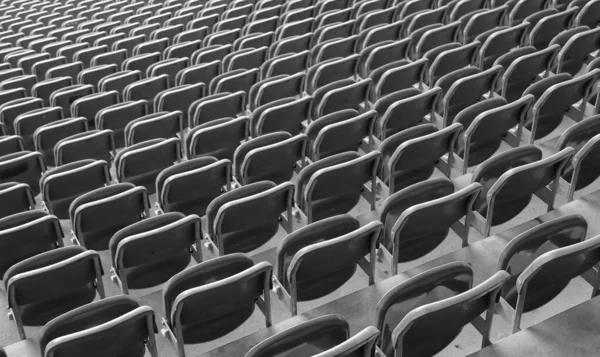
(99, 214)
(95, 74)
(404, 109)
(573, 55)
(24, 167)
(547, 112)
(116, 117)
(190, 186)
(268, 118)
(64, 97)
(132, 249)
(61, 185)
(526, 248)
(237, 80)
(141, 163)
(179, 98)
(81, 329)
(27, 123)
(18, 196)
(467, 91)
(315, 335)
(293, 44)
(216, 106)
(501, 42)
(218, 138)
(409, 231)
(410, 156)
(153, 126)
(588, 16)
(231, 285)
(345, 94)
(275, 88)
(524, 70)
(330, 71)
(170, 67)
(431, 37)
(486, 123)
(146, 89)
(270, 157)
(511, 178)
(25, 234)
(38, 291)
(338, 136)
(447, 280)
(321, 192)
(200, 73)
(90, 105)
(464, 307)
(524, 8)
(397, 76)
(482, 22)
(382, 54)
(9, 111)
(141, 62)
(303, 270)
(48, 135)
(233, 228)
(10, 144)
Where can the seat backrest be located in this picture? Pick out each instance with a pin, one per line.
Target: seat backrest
(414, 234)
(269, 119)
(26, 234)
(273, 162)
(520, 74)
(451, 60)
(227, 284)
(501, 42)
(588, 16)
(467, 91)
(243, 216)
(344, 136)
(23, 166)
(346, 97)
(361, 344)
(575, 52)
(18, 197)
(435, 37)
(313, 233)
(170, 233)
(326, 184)
(93, 144)
(547, 112)
(81, 329)
(424, 320)
(146, 89)
(482, 22)
(88, 106)
(433, 285)
(191, 185)
(179, 98)
(124, 203)
(141, 163)
(116, 118)
(320, 333)
(27, 282)
(528, 246)
(218, 138)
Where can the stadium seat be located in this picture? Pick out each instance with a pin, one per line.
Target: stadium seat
(132, 249)
(18, 198)
(121, 204)
(231, 285)
(37, 291)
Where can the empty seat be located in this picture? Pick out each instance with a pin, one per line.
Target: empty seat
(179, 98)
(61, 185)
(18, 198)
(532, 252)
(329, 71)
(141, 163)
(315, 335)
(64, 97)
(270, 157)
(190, 186)
(218, 138)
(26, 234)
(410, 156)
(486, 124)
(482, 22)
(274, 88)
(303, 270)
(404, 109)
(443, 291)
(93, 144)
(38, 291)
(269, 118)
(116, 117)
(543, 33)
(146, 89)
(90, 105)
(10, 144)
(345, 94)
(321, 192)
(510, 179)
(216, 106)
(134, 262)
(397, 76)
(573, 55)
(467, 91)
(500, 43)
(335, 134)
(46, 136)
(548, 111)
(236, 225)
(409, 231)
(524, 70)
(84, 329)
(24, 167)
(215, 297)
(9, 111)
(99, 214)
